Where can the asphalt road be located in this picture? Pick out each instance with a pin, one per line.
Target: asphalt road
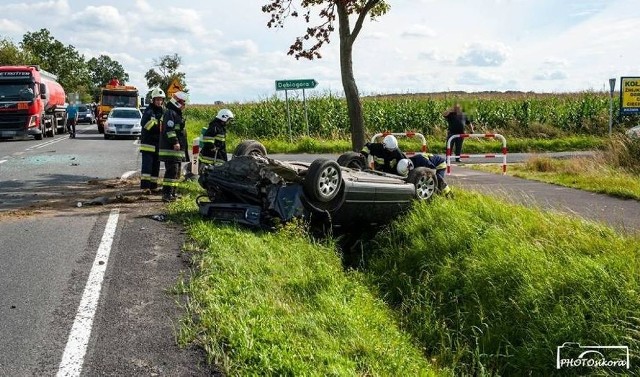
(69, 300)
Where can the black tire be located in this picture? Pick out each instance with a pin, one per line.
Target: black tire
(38, 136)
(353, 160)
(107, 137)
(250, 147)
(425, 182)
(100, 128)
(323, 181)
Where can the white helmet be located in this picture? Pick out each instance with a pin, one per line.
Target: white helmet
(225, 115)
(157, 92)
(404, 166)
(179, 99)
(390, 142)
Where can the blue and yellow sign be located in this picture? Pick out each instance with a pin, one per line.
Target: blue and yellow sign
(629, 95)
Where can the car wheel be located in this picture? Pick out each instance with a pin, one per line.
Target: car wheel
(100, 128)
(323, 180)
(107, 137)
(353, 160)
(425, 182)
(249, 148)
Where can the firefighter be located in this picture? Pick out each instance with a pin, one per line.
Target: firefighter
(214, 146)
(171, 150)
(428, 160)
(149, 142)
(385, 155)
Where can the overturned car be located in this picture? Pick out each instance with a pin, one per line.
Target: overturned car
(262, 192)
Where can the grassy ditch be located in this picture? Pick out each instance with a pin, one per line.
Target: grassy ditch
(491, 288)
(470, 286)
(614, 171)
(281, 304)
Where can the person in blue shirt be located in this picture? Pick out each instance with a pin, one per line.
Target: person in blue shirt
(72, 119)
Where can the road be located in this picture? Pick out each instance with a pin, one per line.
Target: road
(84, 290)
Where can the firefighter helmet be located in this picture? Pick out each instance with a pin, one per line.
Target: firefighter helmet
(390, 142)
(225, 115)
(157, 93)
(404, 166)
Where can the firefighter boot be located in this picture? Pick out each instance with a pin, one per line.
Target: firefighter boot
(166, 194)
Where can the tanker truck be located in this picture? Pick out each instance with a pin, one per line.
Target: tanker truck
(32, 103)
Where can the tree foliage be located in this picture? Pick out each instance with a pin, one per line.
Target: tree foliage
(101, 70)
(53, 56)
(11, 54)
(319, 32)
(164, 71)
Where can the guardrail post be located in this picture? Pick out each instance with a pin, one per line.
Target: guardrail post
(486, 136)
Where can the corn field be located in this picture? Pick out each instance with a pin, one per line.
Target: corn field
(514, 114)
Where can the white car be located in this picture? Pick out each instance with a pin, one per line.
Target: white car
(123, 121)
(633, 132)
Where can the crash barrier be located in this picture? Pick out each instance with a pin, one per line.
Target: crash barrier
(409, 134)
(195, 151)
(486, 136)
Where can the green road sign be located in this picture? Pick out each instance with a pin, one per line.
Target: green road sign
(296, 84)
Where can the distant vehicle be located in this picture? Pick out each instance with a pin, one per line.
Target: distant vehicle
(122, 121)
(633, 132)
(115, 96)
(85, 114)
(32, 103)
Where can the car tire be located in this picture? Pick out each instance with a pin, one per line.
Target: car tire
(323, 180)
(425, 182)
(107, 137)
(353, 160)
(100, 129)
(250, 148)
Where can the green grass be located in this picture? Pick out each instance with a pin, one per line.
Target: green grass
(469, 286)
(492, 288)
(280, 304)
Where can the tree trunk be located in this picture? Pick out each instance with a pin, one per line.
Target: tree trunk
(354, 107)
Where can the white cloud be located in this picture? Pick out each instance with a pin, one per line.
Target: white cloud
(550, 75)
(418, 31)
(483, 54)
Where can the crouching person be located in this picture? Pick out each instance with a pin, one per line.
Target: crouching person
(427, 160)
(214, 141)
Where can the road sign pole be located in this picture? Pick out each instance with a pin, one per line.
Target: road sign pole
(612, 86)
(306, 117)
(286, 98)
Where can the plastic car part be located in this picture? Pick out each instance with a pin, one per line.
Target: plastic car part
(425, 182)
(323, 180)
(250, 147)
(353, 160)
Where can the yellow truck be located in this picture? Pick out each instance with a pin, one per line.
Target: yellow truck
(115, 96)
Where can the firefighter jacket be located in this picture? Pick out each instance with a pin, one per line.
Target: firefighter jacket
(383, 159)
(428, 160)
(150, 135)
(214, 146)
(173, 131)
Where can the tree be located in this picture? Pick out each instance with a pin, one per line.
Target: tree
(101, 70)
(282, 9)
(53, 56)
(164, 72)
(11, 54)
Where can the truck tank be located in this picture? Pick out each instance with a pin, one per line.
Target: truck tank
(56, 95)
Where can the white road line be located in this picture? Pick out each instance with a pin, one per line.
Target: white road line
(46, 143)
(74, 352)
(128, 174)
(1, 161)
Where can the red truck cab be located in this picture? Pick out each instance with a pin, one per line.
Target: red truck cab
(31, 103)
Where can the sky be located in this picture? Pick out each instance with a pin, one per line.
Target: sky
(420, 46)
